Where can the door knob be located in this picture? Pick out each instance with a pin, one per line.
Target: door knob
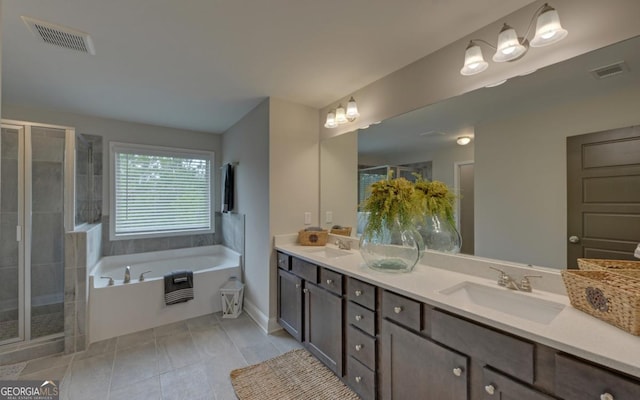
(574, 239)
(490, 389)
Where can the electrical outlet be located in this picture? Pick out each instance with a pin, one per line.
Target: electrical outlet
(328, 218)
(307, 218)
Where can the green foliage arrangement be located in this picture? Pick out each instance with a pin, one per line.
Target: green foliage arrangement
(391, 199)
(399, 199)
(435, 198)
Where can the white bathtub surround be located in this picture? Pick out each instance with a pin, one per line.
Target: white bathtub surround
(126, 308)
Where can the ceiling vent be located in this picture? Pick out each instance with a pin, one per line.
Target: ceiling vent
(610, 70)
(433, 133)
(59, 35)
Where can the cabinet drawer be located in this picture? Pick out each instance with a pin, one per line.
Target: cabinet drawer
(361, 379)
(284, 261)
(577, 380)
(304, 270)
(504, 352)
(330, 280)
(401, 310)
(498, 386)
(361, 293)
(362, 347)
(362, 318)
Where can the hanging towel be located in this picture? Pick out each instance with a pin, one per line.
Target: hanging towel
(178, 287)
(227, 201)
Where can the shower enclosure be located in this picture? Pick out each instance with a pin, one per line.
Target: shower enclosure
(36, 195)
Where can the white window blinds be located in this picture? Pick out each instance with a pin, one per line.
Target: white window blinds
(160, 192)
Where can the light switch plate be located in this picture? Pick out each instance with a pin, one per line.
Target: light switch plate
(328, 217)
(307, 218)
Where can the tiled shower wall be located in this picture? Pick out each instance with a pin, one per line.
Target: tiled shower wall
(82, 252)
(88, 179)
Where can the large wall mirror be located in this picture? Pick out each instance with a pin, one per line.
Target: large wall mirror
(514, 170)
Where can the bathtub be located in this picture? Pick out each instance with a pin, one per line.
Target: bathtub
(125, 308)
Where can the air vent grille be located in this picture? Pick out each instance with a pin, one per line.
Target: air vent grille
(610, 70)
(61, 36)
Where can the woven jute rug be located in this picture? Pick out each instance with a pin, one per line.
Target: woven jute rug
(296, 375)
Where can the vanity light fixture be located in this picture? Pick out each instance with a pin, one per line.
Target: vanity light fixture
(463, 140)
(339, 116)
(512, 47)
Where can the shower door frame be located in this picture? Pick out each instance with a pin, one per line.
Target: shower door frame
(25, 207)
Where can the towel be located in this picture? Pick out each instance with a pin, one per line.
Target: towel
(178, 287)
(227, 200)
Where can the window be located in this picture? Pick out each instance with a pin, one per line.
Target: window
(159, 191)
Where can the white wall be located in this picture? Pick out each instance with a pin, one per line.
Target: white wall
(339, 180)
(247, 142)
(592, 24)
(533, 204)
(122, 131)
(294, 175)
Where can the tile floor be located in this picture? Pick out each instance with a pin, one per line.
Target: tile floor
(185, 360)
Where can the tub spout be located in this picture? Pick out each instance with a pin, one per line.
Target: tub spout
(127, 274)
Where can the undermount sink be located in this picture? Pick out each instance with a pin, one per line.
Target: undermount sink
(327, 252)
(506, 301)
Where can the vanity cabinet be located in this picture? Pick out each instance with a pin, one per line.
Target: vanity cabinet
(311, 308)
(385, 345)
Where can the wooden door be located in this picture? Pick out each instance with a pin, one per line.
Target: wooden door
(323, 326)
(413, 367)
(290, 303)
(603, 194)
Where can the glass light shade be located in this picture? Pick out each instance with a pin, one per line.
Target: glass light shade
(463, 140)
(341, 116)
(331, 120)
(509, 46)
(352, 110)
(474, 63)
(548, 28)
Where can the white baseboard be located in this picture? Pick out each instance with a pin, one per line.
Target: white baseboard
(268, 325)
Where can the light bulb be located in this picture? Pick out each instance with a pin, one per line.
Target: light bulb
(463, 140)
(509, 46)
(352, 110)
(474, 63)
(341, 116)
(548, 28)
(331, 120)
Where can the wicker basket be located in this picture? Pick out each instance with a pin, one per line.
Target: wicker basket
(592, 264)
(613, 297)
(344, 231)
(313, 238)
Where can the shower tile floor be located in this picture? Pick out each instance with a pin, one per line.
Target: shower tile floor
(185, 360)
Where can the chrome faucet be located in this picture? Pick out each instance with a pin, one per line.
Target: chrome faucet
(127, 274)
(507, 281)
(343, 244)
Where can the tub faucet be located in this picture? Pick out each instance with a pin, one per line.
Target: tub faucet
(127, 274)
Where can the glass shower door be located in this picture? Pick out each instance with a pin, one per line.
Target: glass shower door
(11, 248)
(45, 191)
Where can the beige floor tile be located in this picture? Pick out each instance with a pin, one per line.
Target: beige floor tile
(135, 339)
(179, 350)
(212, 341)
(89, 378)
(98, 348)
(41, 364)
(134, 364)
(148, 389)
(170, 329)
(258, 353)
(50, 374)
(284, 342)
(205, 321)
(186, 383)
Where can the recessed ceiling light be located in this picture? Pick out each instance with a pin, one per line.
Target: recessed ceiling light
(463, 140)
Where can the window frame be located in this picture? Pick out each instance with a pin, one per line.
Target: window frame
(120, 147)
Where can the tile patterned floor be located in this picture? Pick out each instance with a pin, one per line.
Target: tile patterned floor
(185, 360)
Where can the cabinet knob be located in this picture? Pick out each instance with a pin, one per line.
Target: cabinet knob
(358, 347)
(305, 290)
(457, 371)
(358, 317)
(490, 389)
(397, 309)
(358, 379)
(358, 293)
(606, 396)
(329, 281)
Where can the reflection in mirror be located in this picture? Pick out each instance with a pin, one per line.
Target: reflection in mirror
(518, 150)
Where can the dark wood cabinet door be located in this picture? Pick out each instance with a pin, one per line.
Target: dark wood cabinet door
(413, 367)
(323, 326)
(290, 303)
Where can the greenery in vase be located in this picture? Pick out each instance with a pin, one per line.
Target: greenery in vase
(391, 199)
(435, 198)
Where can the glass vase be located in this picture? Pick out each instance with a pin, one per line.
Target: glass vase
(392, 249)
(440, 234)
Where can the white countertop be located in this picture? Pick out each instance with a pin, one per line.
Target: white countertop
(571, 331)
